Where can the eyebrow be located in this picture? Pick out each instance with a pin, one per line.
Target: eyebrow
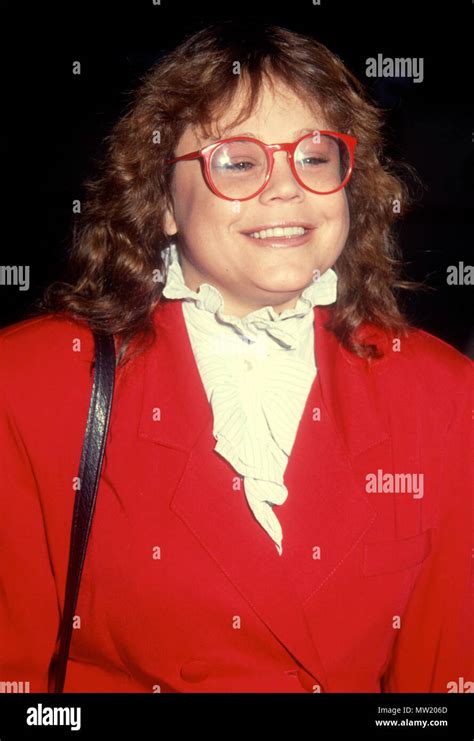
(296, 134)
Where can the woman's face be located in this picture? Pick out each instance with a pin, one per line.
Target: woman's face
(213, 248)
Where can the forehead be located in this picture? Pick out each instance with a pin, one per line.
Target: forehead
(277, 107)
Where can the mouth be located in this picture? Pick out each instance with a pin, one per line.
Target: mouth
(278, 237)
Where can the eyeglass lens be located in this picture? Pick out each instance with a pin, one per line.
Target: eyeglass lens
(239, 168)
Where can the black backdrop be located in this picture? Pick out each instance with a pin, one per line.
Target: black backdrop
(55, 122)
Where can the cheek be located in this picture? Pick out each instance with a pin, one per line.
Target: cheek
(337, 217)
(345, 222)
(197, 207)
(186, 200)
(334, 230)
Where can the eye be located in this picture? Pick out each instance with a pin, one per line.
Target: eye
(313, 160)
(240, 165)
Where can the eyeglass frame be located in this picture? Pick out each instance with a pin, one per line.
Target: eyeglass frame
(206, 152)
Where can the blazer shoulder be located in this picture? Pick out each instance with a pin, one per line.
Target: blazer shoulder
(436, 373)
(44, 345)
(440, 361)
(438, 377)
(418, 354)
(423, 374)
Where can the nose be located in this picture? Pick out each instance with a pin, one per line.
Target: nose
(282, 182)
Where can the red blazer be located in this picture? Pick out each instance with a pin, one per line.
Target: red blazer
(182, 590)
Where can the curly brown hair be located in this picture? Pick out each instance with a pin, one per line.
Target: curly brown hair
(115, 254)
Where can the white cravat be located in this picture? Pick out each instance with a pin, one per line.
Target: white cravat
(257, 371)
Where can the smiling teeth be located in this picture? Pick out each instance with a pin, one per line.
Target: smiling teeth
(279, 231)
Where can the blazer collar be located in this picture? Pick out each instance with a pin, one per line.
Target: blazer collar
(172, 385)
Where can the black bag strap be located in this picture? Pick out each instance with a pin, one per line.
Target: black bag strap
(89, 475)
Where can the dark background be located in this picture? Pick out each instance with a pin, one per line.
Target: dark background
(55, 122)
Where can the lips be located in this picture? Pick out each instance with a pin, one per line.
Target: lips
(279, 242)
(281, 225)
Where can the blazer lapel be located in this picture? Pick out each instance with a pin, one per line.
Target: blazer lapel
(208, 498)
(340, 430)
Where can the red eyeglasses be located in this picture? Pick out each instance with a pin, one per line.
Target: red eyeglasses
(239, 168)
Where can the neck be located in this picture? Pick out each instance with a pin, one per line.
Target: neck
(238, 306)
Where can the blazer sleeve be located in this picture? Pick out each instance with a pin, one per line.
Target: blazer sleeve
(29, 615)
(434, 650)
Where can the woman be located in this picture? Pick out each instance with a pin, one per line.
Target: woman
(284, 503)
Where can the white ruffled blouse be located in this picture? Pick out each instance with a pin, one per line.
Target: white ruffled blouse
(257, 371)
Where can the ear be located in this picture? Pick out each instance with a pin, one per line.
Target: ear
(169, 224)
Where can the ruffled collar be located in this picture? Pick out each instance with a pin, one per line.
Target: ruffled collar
(284, 328)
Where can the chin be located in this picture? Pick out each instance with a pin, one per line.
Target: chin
(297, 283)
(285, 292)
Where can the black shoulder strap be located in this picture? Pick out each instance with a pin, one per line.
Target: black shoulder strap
(89, 475)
